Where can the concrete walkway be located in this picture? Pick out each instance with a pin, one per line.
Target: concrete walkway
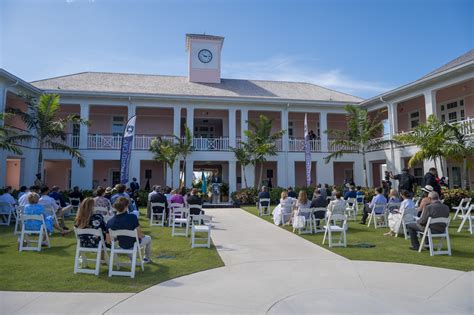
(269, 270)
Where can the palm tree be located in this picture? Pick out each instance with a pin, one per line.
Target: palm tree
(459, 147)
(360, 137)
(165, 151)
(9, 138)
(47, 128)
(429, 138)
(262, 142)
(243, 155)
(185, 147)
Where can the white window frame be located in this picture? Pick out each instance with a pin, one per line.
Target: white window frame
(112, 122)
(410, 119)
(458, 109)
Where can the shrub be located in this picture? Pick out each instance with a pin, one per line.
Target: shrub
(246, 196)
(452, 197)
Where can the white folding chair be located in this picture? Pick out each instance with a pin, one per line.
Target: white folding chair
(196, 208)
(469, 216)
(25, 233)
(408, 216)
(180, 222)
(317, 222)
(172, 207)
(332, 226)
(262, 208)
(75, 202)
(104, 211)
(308, 222)
(286, 214)
(78, 262)
(427, 234)
(204, 226)
(50, 211)
(157, 218)
(19, 212)
(462, 207)
(351, 208)
(379, 216)
(6, 211)
(132, 253)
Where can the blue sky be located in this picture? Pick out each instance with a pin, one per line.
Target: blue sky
(359, 47)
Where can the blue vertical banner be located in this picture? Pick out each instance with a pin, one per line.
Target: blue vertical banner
(307, 151)
(126, 150)
(203, 183)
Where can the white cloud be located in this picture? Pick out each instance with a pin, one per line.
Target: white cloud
(285, 68)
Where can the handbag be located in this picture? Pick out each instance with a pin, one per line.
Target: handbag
(299, 222)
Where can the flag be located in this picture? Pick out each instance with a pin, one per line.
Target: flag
(126, 150)
(307, 152)
(204, 183)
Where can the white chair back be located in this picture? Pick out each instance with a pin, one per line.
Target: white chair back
(468, 217)
(201, 224)
(49, 210)
(157, 218)
(336, 223)
(25, 236)
(264, 206)
(115, 250)
(462, 207)
(100, 249)
(444, 235)
(379, 215)
(6, 210)
(19, 212)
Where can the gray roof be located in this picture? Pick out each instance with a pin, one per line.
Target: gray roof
(178, 85)
(469, 56)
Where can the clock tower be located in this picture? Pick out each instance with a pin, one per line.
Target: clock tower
(204, 58)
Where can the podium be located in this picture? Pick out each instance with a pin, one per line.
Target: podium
(216, 192)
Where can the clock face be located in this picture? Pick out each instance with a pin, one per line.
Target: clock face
(205, 55)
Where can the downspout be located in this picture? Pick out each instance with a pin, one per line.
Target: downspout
(287, 146)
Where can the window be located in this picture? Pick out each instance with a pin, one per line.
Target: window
(118, 123)
(453, 111)
(115, 177)
(69, 176)
(414, 119)
(290, 129)
(386, 127)
(418, 174)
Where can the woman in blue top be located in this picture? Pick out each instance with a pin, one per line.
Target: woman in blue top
(33, 208)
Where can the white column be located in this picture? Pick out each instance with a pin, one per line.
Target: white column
(325, 172)
(232, 177)
(132, 110)
(82, 176)
(3, 154)
(84, 129)
(190, 119)
(232, 128)
(370, 177)
(175, 180)
(393, 119)
(284, 126)
(358, 171)
(244, 117)
(189, 172)
(177, 121)
(323, 126)
(291, 179)
(430, 103)
(3, 101)
(250, 175)
(134, 170)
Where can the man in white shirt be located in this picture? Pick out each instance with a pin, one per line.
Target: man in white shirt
(5, 196)
(23, 201)
(47, 201)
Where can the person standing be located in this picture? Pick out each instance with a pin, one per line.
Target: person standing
(134, 186)
(430, 179)
(38, 182)
(406, 181)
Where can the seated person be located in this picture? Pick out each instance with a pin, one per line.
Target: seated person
(395, 216)
(46, 200)
(23, 190)
(351, 193)
(393, 196)
(56, 195)
(379, 199)
(334, 192)
(291, 193)
(76, 193)
(33, 208)
(282, 212)
(194, 199)
(157, 196)
(5, 196)
(338, 205)
(264, 194)
(168, 194)
(319, 201)
(87, 219)
(176, 197)
(425, 199)
(101, 201)
(121, 193)
(23, 200)
(302, 203)
(126, 221)
(360, 195)
(435, 209)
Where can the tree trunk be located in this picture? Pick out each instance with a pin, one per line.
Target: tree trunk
(245, 177)
(184, 171)
(260, 176)
(435, 164)
(466, 174)
(172, 176)
(366, 182)
(40, 160)
(164, 172)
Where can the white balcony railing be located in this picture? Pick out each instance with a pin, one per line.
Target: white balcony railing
(467, 126)
(71, 141)
(104, 142)
(143, 142)
(211, 144)
(297, 145)
(333, 147)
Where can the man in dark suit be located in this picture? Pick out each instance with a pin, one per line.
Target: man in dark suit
(435, 209)
(194, 199)
(158, 197)
(264, 194)
(430, 179)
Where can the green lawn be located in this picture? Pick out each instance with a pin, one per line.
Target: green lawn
(52, 268)
(391, 249)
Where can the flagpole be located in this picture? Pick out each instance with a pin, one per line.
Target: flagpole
(307, 151)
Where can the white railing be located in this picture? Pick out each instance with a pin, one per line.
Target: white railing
(279, 145)
(104, 142)
(143, 142)
(297, 145)
(333, 147)
(467, 126)
(385, 146)
(71, 141)
(211, 144)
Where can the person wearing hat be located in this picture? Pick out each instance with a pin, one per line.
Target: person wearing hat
(431, 179)
(425, 200)
(406, 181)
(38, 182)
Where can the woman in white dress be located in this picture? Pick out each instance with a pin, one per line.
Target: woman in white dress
(282, 212)
(395, 216)
(338, 205)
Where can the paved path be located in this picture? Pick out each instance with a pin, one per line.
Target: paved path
(269, 270)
